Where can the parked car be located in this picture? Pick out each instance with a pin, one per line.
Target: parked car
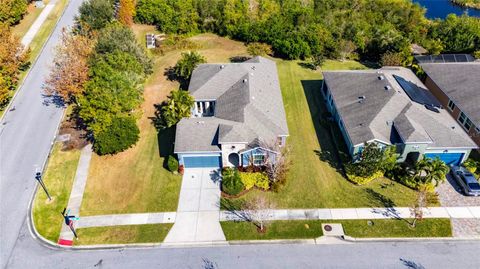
(466, 180)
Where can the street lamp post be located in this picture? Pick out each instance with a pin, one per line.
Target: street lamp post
(38, 177)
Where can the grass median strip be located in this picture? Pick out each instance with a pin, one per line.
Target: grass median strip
(309, 229)
(58, 178)
(128, 234)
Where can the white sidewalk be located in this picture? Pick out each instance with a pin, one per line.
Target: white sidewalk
(37, 24)
(78, 188)
(472, 212)
(126, 219)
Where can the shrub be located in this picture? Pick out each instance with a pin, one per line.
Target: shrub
(259, 49)
(364, 180)
(119, 136)
(172, 164)
(231, 182)
(471, 165)
(476, 54)
(259, 180)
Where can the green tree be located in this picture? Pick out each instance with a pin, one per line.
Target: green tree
(108, 93)
(457, 33)
(187, 63)
(96, 13)
(120, 135)
(178, 106)
(12, 11)
(120, 38)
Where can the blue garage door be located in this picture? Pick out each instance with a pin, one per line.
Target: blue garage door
(448, 158)
(201, 161)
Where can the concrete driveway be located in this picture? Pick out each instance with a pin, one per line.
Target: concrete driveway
(198, 212)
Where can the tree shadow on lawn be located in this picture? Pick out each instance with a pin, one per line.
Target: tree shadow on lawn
(166, 138)
(172, 76)
(383, 205)
(331, 151)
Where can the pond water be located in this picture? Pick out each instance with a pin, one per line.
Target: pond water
(441, 8)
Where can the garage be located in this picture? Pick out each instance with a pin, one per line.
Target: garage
(448, 158)
(201, 161)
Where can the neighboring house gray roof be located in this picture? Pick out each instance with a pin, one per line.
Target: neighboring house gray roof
(461, 83)
(385, 106)
(248, 106)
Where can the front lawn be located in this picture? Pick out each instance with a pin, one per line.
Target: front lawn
(128, 234)
(137, 180)
(58, 178)
(315, 179)
(309, 229)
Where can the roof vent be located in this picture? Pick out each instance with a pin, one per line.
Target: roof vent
(381, 77)
(389, 123)
(387, 88)
(222, 66)
(253, 67)
(453, 127)
(244, 80)
(200, 122)
(361, 98)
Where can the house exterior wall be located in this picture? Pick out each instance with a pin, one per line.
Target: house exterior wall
(474, 131)
(228, 149)
(353, 150)
(405, 149)
(248, 155)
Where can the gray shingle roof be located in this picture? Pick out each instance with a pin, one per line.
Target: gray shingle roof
(248, 105)
(382, 110)
(461, 83)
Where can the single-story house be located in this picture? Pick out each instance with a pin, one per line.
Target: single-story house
(457, 87)
(391, 106)
(238, 111)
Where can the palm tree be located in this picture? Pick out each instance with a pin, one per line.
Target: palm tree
(178, 106)
(430, 172)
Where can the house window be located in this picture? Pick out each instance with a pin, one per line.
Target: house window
(451, 105)
(259, 158)
(465, 121)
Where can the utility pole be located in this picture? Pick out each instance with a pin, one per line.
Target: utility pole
(38, 177)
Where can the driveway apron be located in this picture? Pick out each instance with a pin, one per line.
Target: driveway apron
(198, 212)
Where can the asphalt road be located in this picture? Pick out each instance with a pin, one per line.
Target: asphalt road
(25, 139)
(26, 135)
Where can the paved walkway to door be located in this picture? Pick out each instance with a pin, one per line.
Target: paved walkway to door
(198, 213)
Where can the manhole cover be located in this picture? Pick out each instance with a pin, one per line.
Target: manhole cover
(327, 228)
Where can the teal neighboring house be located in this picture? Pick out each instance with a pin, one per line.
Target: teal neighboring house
(391, 106)
(238, 118)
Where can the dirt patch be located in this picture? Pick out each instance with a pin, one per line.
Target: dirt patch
(77, 135)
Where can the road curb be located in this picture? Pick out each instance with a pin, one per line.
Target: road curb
(274, 241)
(408, 239)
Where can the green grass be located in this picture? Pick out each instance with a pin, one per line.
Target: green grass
(309, 229)
(397, 228)
(39, 39)
(315, 179)
(128, 234)
(58, 178)
(289, 229)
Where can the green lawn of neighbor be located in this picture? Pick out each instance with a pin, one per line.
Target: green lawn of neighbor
(128, 234)
(309, 229)
(58, 178)
(315, 179)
